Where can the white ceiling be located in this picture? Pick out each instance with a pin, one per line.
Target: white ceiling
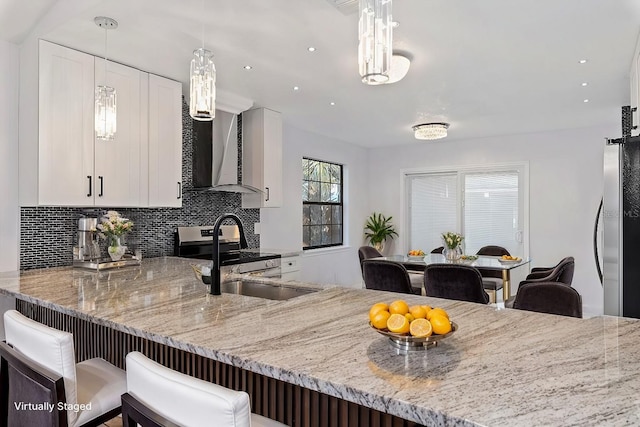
(488, 67)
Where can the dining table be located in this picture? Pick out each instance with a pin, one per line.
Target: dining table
(481, 262)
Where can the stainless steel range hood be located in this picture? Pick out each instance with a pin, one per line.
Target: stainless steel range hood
(215, 164)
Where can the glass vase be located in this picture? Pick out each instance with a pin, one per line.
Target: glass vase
(116, 248)
(452, 254)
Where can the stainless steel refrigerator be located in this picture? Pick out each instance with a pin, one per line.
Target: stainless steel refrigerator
(621, 223)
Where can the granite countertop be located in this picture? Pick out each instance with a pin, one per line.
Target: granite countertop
(501, 368)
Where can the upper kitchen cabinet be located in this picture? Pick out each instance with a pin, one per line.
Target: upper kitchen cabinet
(634, 79)
(61, 154)
(62, 163)
(262, 157)
(165, 142)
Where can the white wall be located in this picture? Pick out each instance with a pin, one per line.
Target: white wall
(282, 227)
(9, 210)
(565, 187)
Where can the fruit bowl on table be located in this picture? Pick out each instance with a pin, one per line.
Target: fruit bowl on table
(509, 261)
(468, 259)
(415, 257)
(407, 342)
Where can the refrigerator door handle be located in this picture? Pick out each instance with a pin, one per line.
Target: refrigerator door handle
(595, 243)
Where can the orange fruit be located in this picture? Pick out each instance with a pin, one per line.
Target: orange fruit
(420, 328)
(418, 312)
(441, 325)
(410, 317)
(375, 308)
(399, 307)
(379, 320)
(437, 311)
(398, 323)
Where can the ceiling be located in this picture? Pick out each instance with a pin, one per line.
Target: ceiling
(488, 67)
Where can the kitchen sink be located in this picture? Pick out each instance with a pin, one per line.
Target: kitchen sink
(264, 290)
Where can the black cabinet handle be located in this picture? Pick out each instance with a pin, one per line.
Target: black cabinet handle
(267, 199)
(633, 110)
(179, 189)
(89, 194)
(101, 186)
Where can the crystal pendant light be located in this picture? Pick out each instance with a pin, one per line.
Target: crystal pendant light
(375, 35)
(202, 91)
(105, 97)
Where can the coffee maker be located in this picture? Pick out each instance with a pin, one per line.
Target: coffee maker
(88, 248)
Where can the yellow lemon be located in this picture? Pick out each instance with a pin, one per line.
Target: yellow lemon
(398, 323)
(410, 317)
(399, 307)
(379, 320)
(420, 328)
(418, 312)
(437, 312)
(375, 308)
(441, 325)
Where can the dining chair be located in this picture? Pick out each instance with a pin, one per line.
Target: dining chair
(459, 282)
(158, 396)
(366, 252)
(492, 279)
(38, 367)
(382, 275)
(438, 250)
(549, 297)
(561, 273)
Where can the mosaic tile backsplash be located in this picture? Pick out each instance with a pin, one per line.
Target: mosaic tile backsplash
(48, 234)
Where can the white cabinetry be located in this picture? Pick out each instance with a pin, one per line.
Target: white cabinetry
(262, 157)
(290, 268)
(63, 164)
(165, 142)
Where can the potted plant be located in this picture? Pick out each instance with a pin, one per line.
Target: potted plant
(377, 229)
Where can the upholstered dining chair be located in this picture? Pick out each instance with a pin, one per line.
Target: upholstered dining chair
(366, 252)
(38, 366)
(459, 282)
(549, 297)
(438, 250)
(492, 279)
(561, 273)
(158, 396)
(389, 276)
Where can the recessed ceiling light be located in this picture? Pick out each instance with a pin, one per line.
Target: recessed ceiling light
(586, 100)
(311, 49)
(248, 67)
(333, 103)
(583, 61)
(296, 88)
(585, 84)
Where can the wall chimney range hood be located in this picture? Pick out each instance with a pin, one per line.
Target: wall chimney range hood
(215, 164)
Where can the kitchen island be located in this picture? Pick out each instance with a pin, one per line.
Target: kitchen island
(501, 368)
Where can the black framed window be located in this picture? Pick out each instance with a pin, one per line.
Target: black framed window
(322, 199)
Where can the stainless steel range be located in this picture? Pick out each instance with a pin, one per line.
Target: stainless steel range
(197, 243)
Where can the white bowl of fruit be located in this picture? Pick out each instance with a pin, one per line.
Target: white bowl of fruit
(416, 255)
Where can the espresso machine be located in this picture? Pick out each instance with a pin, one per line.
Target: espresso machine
(88, 248)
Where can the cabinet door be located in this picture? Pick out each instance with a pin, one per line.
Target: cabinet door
(262, 157)
(165, 142)
(65, 127)
(635, 93)
(117, 162)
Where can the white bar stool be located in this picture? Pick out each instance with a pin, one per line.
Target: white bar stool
(38, 367)
(159, 396)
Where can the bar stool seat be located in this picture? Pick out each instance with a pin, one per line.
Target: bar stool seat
(91, 389)
(159, 396)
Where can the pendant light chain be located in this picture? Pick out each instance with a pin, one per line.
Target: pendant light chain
(105, 96)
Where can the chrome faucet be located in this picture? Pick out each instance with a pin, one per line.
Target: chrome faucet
(215, 270)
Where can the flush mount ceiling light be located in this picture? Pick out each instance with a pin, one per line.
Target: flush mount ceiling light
(376, 36)
(202, 89)
(105, 102)
(430, 130)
